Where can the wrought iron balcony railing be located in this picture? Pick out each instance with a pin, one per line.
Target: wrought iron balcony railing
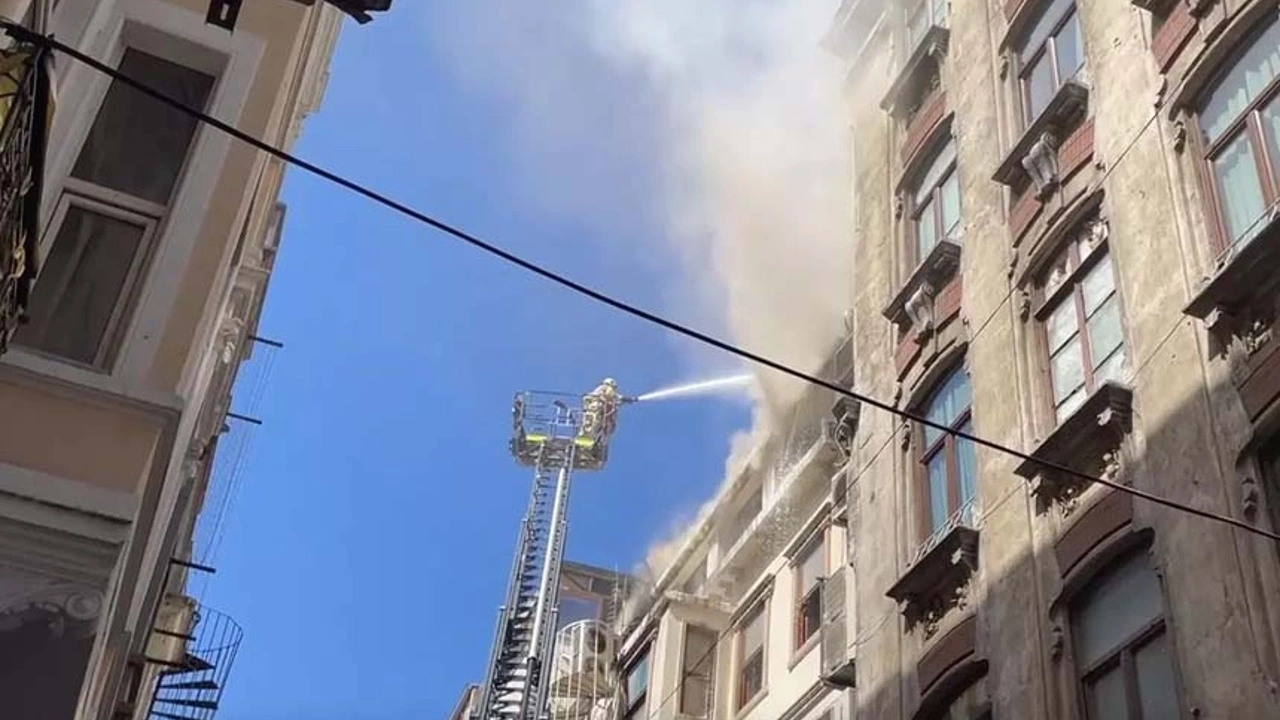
(25, 112)
(191, 688)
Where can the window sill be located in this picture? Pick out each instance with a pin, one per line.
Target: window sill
(70, 375)
(933, 45)
(935, 583)
(1087, 441)
(1066, 108)
(1237, 302)
(803, 651)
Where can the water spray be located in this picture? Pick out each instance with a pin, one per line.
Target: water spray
(704, 387)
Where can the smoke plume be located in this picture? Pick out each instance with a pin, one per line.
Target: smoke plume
(725, 115)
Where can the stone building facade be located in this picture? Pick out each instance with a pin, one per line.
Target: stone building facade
(1067, 226)
(1067, 238)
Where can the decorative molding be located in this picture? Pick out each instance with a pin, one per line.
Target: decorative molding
(1238, 303)
(1088, 442)
(936, 582)
(65, 605)
(912, 307)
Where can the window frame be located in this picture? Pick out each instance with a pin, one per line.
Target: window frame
(947, 444)
(915, 213)
(802, 634)
(1246, 123)
(128, 212)
(741, 659)
(633, 704)
(1048, 46)
(931, 20)
(115, 204)
(1120, 656)
(1071, 289)
(686, 672)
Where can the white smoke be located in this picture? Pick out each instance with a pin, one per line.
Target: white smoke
(725, 114)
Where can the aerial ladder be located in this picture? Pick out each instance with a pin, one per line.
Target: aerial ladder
(554, 434)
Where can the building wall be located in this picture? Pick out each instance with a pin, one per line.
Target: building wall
(105, 464)
(1190, 438)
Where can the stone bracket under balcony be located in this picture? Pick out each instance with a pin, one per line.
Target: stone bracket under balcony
(1034, 156)
(1239, 302)
(939, 580)
(1088, 442)
(913, 307)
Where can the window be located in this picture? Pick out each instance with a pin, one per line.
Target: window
(697, 580)
(637, 687)
(113, 202)
(574, 608)
(697, 670)
(1052, 54)
(948, 462)
(1122, 650)
(751, 657)
(1240, 122)
(935, 205)
(810, 570)
(921, 16)
(1083, 324)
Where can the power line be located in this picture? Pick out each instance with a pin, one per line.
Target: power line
(23, 34)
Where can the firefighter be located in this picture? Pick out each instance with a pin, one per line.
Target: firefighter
(600, 410)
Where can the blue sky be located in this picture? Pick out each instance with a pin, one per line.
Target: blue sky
(369, 546)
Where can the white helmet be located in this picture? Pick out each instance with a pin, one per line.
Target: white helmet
(610, 382)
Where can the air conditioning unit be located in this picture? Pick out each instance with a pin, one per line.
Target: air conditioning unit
(838, 670)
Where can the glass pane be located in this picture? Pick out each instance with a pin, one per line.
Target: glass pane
(926, 231)
(1068, 370)
(938, 507)
(1105, 333)
(1271, 130)
(948, 403)
(573, 609)
(1068, 405)
(752, 678)
(1112, 368)
(81, 284)
(1107, 697)
(917, 23)
(951, 205)
(753, 633)
(1044, 25)
(940, 13)
(638, 678)
(1241, 85)
(812, 568)
(1069, 49)
(937, 168)
(1239, 188)
(1061, 325)
(1124, 601)
(1039, 87)
(968, 466)
(1156, 689)
(1098, 285)
(137, 145)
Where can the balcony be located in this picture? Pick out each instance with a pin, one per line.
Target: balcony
(795, 485)
(190, 685)
(24, 92)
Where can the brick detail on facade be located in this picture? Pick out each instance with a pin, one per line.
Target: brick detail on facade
(959, 643)
(1172, 36)
(922, 125)
(1105, 517)
(906, 353)
(1076, 150)
(1025, 209)
(948, 303)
